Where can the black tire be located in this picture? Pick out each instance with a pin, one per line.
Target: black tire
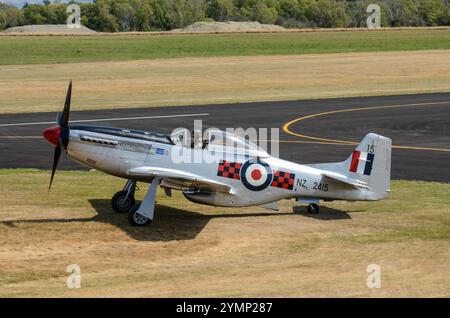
(136, 219)
(121, 204)
(313, 208)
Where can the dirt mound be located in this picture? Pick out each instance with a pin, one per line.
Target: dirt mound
(230, 26)
(48, 29)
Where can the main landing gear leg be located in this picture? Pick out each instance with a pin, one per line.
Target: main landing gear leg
(142, 214)
(124, 200)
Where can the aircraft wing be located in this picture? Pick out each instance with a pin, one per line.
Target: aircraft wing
(335, 177)
(178, 179)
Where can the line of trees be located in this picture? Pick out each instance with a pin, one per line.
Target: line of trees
(146, 15)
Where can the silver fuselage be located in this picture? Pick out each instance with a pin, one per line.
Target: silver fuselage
(117, 152)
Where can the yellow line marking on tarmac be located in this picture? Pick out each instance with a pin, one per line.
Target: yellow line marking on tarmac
(319, 140)
(314, 142)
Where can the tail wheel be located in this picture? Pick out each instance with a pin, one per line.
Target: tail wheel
(313, 208)
(135, 219)
(121, 203)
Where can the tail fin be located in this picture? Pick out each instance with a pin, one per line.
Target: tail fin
(370, 162)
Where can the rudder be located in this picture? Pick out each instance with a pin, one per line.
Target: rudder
(370, 162)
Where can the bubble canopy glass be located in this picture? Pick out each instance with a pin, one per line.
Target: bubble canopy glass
(219, 141)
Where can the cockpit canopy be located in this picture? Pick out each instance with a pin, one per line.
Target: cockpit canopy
(215, 140)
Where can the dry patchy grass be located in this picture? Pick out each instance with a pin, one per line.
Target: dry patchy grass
(193, 250)
(186, 81)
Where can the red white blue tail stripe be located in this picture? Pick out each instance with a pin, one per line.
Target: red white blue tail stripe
(362, 162)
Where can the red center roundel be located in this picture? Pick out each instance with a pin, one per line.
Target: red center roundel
(256, 174)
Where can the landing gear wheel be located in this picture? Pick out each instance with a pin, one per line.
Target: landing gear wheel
(313, 208)
(121, 203)
(135, 219)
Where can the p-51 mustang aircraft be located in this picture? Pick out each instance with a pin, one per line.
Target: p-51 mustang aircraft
(253, 178)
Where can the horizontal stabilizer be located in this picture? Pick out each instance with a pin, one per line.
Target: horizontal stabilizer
(345, 180)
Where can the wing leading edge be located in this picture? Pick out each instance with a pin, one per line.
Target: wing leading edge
(178, 179)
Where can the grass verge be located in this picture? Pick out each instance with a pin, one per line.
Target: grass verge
(191, 81)
(70, 49)
(193, 250)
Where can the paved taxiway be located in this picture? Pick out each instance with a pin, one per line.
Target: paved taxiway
(310, 130)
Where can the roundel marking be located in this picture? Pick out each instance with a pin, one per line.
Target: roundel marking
(256, 175)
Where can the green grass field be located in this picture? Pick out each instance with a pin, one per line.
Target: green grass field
(65, 49)
(199, 251)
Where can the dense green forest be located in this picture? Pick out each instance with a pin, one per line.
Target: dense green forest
(146, 15)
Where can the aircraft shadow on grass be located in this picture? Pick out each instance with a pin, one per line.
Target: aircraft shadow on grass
(172, 224)
(326, 213)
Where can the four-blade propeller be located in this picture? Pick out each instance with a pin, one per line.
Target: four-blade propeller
(58, 135)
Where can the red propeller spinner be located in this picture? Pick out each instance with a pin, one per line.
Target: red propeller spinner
(52, 134)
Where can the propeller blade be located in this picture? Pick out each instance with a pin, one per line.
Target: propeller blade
(64, 118)
(58, 117)
(59, 135)
(56, 157)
